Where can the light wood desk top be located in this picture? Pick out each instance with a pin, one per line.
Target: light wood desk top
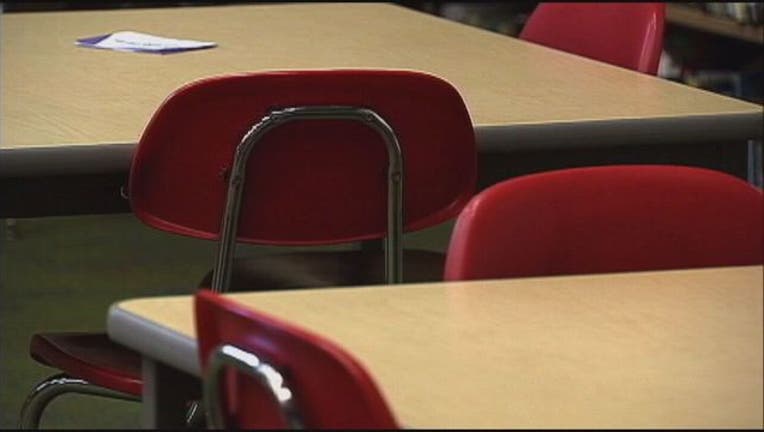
(645, 350)
(58, 96)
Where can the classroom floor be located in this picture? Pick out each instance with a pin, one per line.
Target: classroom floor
(62, 273)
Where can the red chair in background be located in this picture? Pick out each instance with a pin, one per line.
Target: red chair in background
(607, 219)
(336, 156)
(279, 375)
(624, 34)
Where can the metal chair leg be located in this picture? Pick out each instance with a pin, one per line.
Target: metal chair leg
(54, 386)
(195, 417)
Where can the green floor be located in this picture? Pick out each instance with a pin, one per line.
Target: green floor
(63, 273)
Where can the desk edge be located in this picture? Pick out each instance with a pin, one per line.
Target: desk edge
(620, 132)
(117, 157)
(165, 345)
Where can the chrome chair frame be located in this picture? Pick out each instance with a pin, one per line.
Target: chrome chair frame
(59, 384)
(265, 375)
(229, 225)
(55, 386)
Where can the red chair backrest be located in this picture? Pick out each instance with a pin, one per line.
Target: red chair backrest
(311, 181)
(624, 34)
(332, 390)
(607, 219)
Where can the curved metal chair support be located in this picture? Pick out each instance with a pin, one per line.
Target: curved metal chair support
(229, 225)
(250, 364)
(54, 386)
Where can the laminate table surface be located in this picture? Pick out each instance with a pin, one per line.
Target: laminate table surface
(668, 349)
(67, 109)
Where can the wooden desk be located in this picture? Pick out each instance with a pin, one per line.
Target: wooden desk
(71, 110)
(674, 349)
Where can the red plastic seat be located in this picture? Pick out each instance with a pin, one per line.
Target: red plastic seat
(308, 182)
(624, 34)
(607, 219)
(328, 388)
(92, 357)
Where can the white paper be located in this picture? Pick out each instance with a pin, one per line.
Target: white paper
(134, 41)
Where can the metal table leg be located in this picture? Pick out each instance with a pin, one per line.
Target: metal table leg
(755, 163)
(166, 394)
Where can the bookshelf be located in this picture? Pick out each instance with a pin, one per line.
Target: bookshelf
(683, 15)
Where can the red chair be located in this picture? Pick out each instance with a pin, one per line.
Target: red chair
(607, 219)
(336, 156)
(624, 34)
(279, 375)
(327, 166)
